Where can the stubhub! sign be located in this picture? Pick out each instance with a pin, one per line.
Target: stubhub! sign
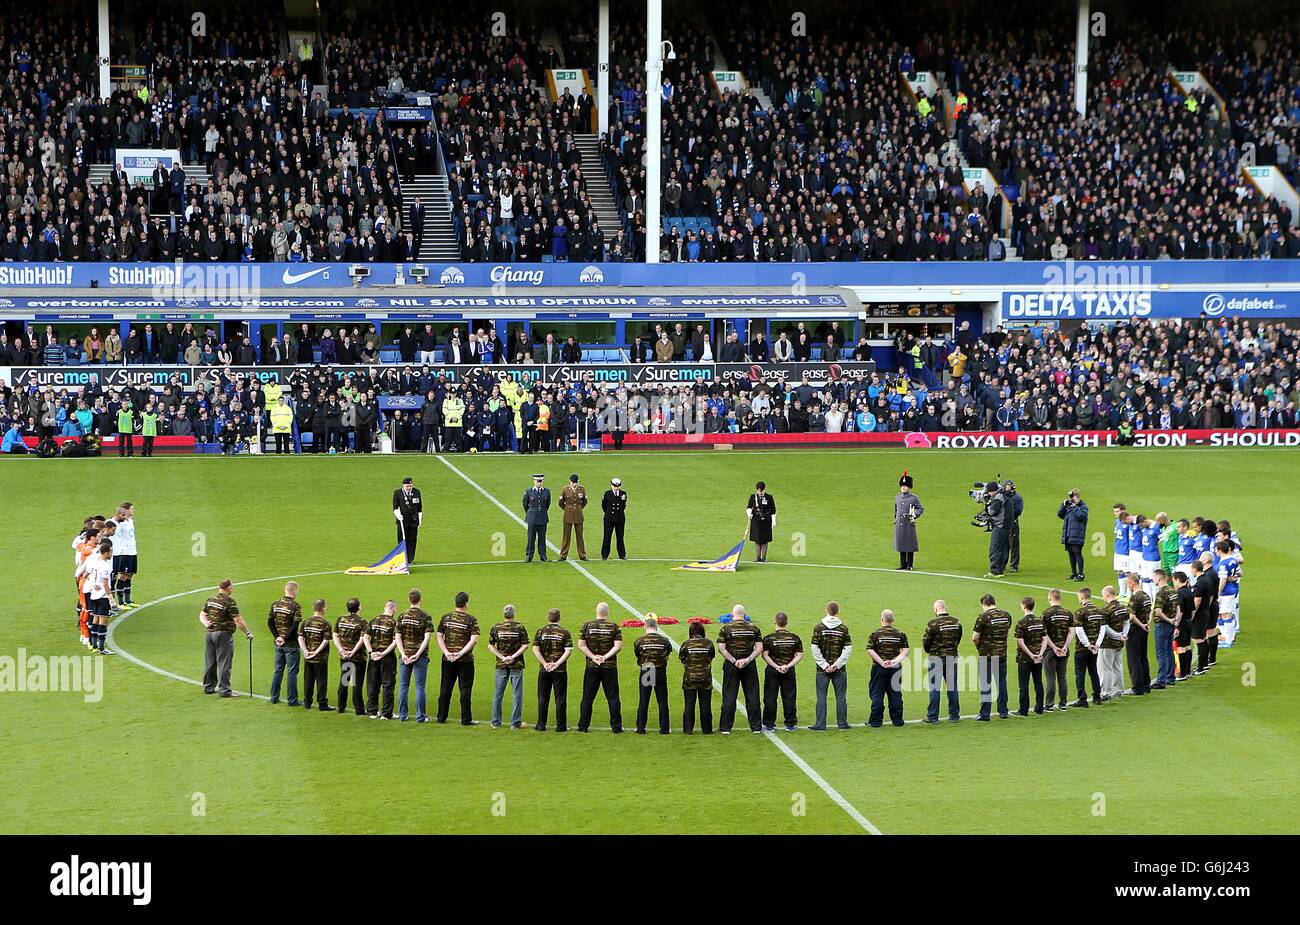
(1140, 303)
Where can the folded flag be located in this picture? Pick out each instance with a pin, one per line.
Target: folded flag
(727, 562)
(392, 564)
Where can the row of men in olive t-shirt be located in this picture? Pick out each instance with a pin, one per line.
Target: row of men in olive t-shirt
(395, 647)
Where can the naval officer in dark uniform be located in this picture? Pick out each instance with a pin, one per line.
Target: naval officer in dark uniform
(614, 504)
(907, 510)
(408, 511)
(537, 501)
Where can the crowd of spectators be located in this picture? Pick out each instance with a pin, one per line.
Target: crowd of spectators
(1157, 375)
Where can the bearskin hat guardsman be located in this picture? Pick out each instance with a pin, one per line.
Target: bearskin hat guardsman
(907, 510)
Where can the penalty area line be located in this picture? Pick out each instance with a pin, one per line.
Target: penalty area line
(835, 796)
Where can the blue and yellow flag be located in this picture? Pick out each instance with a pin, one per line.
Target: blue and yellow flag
(724, 563)
(392, 564)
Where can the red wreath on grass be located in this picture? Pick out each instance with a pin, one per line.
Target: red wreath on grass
(632, 624)
(698, 620)
(668, 621)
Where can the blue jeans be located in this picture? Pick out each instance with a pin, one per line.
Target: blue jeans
(421, 671)
(516, 678)
(286, 657)
(989, 667)
(1164, 653)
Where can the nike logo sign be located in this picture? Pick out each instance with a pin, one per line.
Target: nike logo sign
(290, 278)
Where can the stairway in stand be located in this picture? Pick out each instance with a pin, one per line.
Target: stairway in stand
(602, 199)
(439, 243)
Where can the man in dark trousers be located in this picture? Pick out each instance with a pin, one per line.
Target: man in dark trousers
(999, 538)
(408, 511)
(782, 650)
(537, 501)
(600, 640)
(741, 644)
(1017, 506)
(614, 504)
(888, 649)
(552, 647)
(456, 635)
(652, 651)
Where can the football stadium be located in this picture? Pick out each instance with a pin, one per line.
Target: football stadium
(584, 418)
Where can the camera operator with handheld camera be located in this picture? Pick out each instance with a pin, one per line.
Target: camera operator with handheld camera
(1016, 503)
(1074, 531)
(999, 515)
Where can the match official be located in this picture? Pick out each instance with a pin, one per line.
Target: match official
(740, 643)
(888, 649)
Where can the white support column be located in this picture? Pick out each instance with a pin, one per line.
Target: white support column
(105, 82)
(1081, 60)
(653, 141)
(602, 70)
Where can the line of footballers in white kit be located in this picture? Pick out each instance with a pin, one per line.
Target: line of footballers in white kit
(1144, 545)
(105, 558)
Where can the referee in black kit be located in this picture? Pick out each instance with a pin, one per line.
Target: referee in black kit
(408, 511)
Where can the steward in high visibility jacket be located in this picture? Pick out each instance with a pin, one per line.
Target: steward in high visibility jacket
(453, 411)
(281, 418)
(272, 391)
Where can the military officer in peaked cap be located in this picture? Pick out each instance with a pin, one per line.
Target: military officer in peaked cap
(537, 502)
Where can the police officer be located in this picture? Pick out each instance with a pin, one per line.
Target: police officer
(942, 636)
(907, 508)
(1017, 505)
(537, 501)
(652, 651)
(992, 627)
(614, 504)
(999, 537)
(888, 649)
(408, 511)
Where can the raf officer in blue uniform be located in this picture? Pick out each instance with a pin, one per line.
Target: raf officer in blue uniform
(537, 501)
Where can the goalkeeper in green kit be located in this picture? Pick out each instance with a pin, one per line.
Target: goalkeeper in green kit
(1168, 543)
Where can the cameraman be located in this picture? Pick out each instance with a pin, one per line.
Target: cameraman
(1000, 516)
(1017, 506)
(1074, 531)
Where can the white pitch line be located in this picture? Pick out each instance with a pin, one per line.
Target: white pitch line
(790, 753)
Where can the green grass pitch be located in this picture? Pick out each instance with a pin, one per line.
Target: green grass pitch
(164, 759)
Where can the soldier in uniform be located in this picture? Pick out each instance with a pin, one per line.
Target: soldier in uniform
(614, 504)
(284, 621)
(888, 649)
(740, 643)
(572, 500)
(1110, 661)
(408, 511)
(219, 616)
(414, 630)
(508, 642)
(552, 646)
(1089, 631)
(907, 509)
(1031, 643)
(1057, 621)
(761, 511)
(1139, 630)
(381, 646)
(537, 501)
(652, 650)
(314, 640)
(1165, 614)
(457, 634)
(349, 639)
(782, 650)
(942, 636)
(989, 635)
(600, 640)
(696, 655)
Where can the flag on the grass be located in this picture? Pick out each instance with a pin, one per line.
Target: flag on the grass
(727, 562)
(392, 564)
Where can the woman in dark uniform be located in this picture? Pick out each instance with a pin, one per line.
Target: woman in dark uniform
(761, 512)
